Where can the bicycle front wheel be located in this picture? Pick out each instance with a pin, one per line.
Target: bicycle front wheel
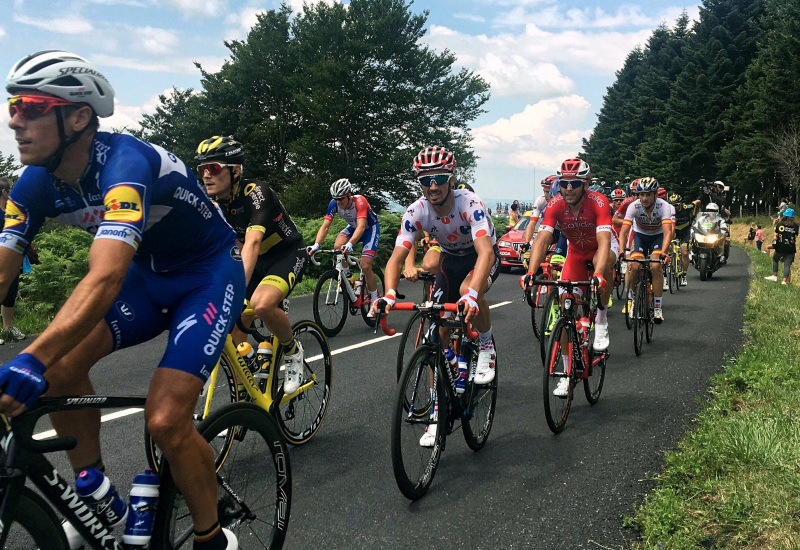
(366, 303)
(331, 303)
(254, 482)
(639, 318)
(481, 401)
(418, 403)
(413, 336)
(556, 407)
(669, 278)
(31, 523)
(550, 313)
(536, 297)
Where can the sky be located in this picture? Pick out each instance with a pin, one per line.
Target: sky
(548, 62)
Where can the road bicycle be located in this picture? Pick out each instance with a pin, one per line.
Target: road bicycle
(572, 338)
(426, 396)
(643, 306)
(417, 325)
(537, 295)
(254, 482)
(619, 280)
(299, 414)
(552, 305)
(338, 291)
(673, 270)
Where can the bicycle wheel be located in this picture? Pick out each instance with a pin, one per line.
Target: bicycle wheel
(300, 418)
(619, 279)
(532, 298)
(593, 385)
(628, 320)
(669, 277)
(366, 304)
(481, 400)
(550, 313)
(416, 409)
(31, 523)
(556, 409)
(331, 303)
(648, 327)
(413, 335)
(639, 318)
(677, 267)
(254, 482)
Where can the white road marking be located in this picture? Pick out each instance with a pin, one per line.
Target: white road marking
(111, 416)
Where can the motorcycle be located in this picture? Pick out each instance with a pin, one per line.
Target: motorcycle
(709, 244)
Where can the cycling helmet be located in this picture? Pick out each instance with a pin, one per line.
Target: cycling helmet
(595, 181)
(662, 193)
(548, 182)
(466, 186)
(64, 75)
(223, 149)
(634, 185)
(596, 188)
(434, 157)
(574, 169)
(675, 198)
(647, 185)
(617, 194)
(340, 188)
(719, 184)
(712, 207)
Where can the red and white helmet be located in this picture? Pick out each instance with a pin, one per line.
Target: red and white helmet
(618, 194)
(634, 185)
(662, 193)
(576, 169)
(434, 157)
(548, 182)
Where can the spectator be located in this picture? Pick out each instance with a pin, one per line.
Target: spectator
(784, 246)
(759, 239)
(513, 217)
(751, 234)
(10, 332)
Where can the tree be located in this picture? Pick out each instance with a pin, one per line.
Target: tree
(785, 151)
(9, 166)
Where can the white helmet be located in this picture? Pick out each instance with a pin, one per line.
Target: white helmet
(340, 188)
(712, 207)
(63, 75)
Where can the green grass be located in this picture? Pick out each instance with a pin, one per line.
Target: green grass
(734, 480)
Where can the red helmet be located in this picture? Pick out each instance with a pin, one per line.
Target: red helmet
(434, 157)
(574, 169)
(662, 193)
(618, 194)
(548, 182)
(634, 184)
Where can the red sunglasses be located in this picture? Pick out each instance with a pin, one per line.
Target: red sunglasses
(213, 168)
(31, 107)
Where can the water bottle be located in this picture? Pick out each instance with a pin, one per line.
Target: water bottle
(264, 359)
(452, 360)
(97, 489)
(583, 330)
(461, 382)
(246, 351)
(142, 510)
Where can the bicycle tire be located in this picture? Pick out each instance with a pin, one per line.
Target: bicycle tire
(365, 303)
(301, 417)
(639, 318)
(32, 523)
(648, 327)
(556, 409)
(415, 466)
(669, 277)
(620, 286)
(482, 401)
(593, 385)
(551, 311)
(414, 333)
(537, 331)
(256, 511)
(330, 316)
(628, 320)
(530, 295)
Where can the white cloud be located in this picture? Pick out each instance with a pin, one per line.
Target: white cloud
(178, 65)
(153, 40)
(197, 7)
(3, 33)
(542, 135)
(241, 23)
(63, 25)
(469, 17)
(626, 16)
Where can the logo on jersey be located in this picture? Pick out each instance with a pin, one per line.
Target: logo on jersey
(479, 215)
(123, 204)
(185, 325)
(125, 310)
(236, 254)
(14, 216)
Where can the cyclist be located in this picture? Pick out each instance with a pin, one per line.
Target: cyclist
(551, 190)
(684, 216)
(619, 216)
(162, 258)
(470, 260)
(653, 220)
(585, 219)
(362, 227)
(272, 247)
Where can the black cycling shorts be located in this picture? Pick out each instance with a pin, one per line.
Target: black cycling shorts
(452, 272)
(684, 235)
(282, 268)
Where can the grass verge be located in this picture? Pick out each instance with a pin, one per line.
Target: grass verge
(734, 480)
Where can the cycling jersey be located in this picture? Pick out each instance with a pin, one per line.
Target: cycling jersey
(581, 231)
(456, 231)
(662, 213)
(684, 215)
(359, 209)
(623, 207)
(538, 208)
(131, 191)
(256, 207)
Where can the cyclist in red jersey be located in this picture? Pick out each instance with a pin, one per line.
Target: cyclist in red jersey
(585, 219)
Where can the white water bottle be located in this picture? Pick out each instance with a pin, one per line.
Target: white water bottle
(142, 510)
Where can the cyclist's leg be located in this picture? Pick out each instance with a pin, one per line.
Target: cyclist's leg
(368, 253)
(273, 279)
(430, 262)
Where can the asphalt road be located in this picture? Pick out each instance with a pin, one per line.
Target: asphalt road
(527, 488)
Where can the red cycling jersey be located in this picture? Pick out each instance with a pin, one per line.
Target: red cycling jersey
(623, 208)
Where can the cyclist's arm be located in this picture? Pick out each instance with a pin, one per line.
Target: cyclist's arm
(10, 264)
(531, 226)
(484, 263)
(603, 250)
(109, 260)
(539, 250)
(250, 248)
(668, 232)
(323, 231)
(623, 236)
(393, 266)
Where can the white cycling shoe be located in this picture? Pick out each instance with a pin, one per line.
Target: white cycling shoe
(562, 390)
(601, 339)
(484, 373)
(658, 315)
(429, 437)
(295, 371)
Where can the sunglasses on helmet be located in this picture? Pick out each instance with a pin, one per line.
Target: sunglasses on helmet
(31, 107)
(438, 179)
(570, 184)
(213, 168)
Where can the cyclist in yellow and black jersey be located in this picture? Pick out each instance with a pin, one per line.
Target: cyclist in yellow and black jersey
(272, 247)
(684, 216)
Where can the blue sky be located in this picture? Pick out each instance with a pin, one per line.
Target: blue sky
(548, 61)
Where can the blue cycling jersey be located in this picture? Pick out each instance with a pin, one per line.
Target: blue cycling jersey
(131, 191)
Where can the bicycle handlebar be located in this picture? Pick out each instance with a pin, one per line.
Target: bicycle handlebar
(428, 307)
(352, 259)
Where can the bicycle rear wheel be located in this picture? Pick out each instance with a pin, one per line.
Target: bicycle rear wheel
(482, 400)
(648, 327)
(31, 523)
(366, 304)
(628, 319)
(639, 318)
(254, 482)
(619, 280)
(556, 409)
(550, 313)
(593, 385)
(413, 335)
(669, 277)
(331, 303)
(416, 410)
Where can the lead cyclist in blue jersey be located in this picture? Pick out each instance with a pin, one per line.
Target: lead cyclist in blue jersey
(163, 258)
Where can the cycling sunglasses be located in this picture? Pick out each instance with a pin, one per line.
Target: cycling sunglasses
(31, 107)
(213, 168)
(570, 184)
(438, 179)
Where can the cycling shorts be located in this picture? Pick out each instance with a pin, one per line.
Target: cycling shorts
(575, 267)
(197, 303)
(684, 235)
(646, 245)
(369, 239)
(452, 272)
(615, 246)
(282, 268)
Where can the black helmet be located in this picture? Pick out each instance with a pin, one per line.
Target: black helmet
(222, 149)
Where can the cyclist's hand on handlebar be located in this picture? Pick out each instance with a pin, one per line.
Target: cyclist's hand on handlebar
(22, 382)
(526, 281)
(411, 274)
(347, 248)
(313, 248)
(383, 304)
(470, 301)
(599, 281)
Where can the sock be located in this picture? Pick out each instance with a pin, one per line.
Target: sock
(213, 539)
(373, 295)
(485, 337)
(657, 301)
(602, 317)
(290, 348)
(630, 294)
(565, 359)
(97, 464)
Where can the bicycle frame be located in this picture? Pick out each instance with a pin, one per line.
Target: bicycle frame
(344, 282)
